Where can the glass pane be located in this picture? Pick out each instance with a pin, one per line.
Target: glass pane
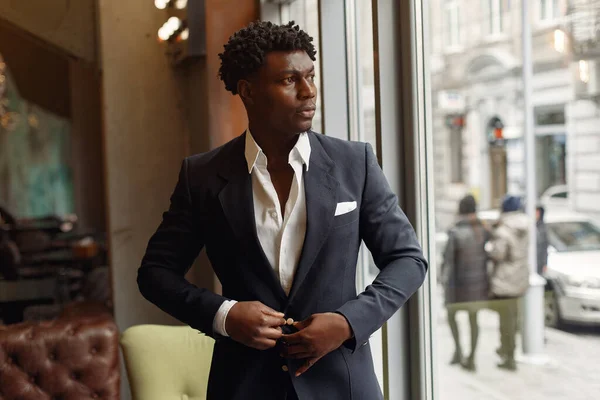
(360, 66)
(483, 302)
(550, 9)
(545, 12)
(366, 132)
(306, 14)
(499, 15)
(452, 24)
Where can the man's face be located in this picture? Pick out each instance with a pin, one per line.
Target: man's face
(283, 94)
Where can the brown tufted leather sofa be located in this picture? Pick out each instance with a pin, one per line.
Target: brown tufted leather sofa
(74, 357)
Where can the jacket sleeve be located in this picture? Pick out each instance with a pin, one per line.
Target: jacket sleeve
(448, 262)
(498, 247)
(393, 243)
(169, 255)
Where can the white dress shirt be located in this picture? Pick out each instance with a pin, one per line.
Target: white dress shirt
(281, 236)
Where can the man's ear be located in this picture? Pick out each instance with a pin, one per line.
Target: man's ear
(244, 89)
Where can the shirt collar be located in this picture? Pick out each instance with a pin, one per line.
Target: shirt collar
(254, 154)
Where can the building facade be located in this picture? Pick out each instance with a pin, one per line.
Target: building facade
(477, 89)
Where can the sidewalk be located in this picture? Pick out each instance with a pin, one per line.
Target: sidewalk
(573, 372)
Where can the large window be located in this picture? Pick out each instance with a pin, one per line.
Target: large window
(452, 23)
(488, 344)
(549, 10)
(392, 77)
(492, 16)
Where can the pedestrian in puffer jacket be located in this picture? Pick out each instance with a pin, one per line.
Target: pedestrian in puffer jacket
(465, 276)
(508, 249)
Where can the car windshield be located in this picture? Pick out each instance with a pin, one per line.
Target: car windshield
(559, 195)
(573, 236)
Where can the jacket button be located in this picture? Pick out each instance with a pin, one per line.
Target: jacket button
(285, 368)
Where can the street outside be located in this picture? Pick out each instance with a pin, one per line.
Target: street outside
(572, 371)
(515, 111)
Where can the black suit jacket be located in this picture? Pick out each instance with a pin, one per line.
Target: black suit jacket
(212, 207)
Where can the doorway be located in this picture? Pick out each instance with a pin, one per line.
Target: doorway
(497, 174)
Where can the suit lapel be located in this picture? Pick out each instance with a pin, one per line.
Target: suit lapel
(238, 205)
(321, 199)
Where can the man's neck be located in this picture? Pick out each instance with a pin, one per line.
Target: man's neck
(276, 145)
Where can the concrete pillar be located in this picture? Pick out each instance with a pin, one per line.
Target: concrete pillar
(154, 116)
(144, 143)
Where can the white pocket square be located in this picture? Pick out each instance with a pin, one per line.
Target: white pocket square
(345, 207)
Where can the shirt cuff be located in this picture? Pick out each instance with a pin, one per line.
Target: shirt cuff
(221, 317)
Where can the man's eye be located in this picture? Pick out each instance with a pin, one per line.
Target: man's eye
(311, 78)
(291, 79)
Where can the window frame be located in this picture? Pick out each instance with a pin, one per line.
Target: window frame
(403, 83)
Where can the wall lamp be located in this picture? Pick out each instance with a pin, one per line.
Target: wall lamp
(183, 33)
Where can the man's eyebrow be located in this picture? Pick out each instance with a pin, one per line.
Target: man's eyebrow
(295, 71)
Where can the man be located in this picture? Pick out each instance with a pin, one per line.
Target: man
(510, 278)
(282, 211)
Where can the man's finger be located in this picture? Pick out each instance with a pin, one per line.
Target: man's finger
(302, 324)
(305, 367)
(270, 311)
(272, 321)
(271, 333)
(264, 344)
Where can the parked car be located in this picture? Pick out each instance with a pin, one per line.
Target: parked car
(556, 198)
(573, 271)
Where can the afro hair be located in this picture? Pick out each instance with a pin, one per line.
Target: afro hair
(246, 49)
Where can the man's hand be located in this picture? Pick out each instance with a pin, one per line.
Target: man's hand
(317, 336)
(254, 324)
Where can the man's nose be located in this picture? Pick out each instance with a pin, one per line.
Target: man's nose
(307, 89)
